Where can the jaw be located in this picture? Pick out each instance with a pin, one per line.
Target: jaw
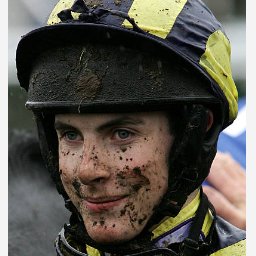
(109, 230)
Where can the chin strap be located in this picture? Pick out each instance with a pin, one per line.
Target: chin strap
(192, 245)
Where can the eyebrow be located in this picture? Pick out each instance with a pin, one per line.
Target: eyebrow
(58, 125)
(124, 120)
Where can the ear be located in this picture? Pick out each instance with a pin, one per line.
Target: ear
(210, 119)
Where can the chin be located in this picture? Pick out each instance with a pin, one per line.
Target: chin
(107, 235)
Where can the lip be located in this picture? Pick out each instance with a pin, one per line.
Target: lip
(103, 203)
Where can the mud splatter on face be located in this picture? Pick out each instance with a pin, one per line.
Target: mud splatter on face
(137, 170)
(133, 179)
(121, 178)
(129, 210)
(143, 180)
(76, 186)
(65, 153)
(136, 187)
(140, 221)
(123, 148)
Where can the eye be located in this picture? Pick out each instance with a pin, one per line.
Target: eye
(72, 136)
(122, 134)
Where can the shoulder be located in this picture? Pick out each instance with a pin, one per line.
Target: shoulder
(230, 239)
(237, 249)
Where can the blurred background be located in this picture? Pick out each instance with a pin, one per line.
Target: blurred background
(25, 15)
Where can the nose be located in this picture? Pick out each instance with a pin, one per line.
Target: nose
(92, 170)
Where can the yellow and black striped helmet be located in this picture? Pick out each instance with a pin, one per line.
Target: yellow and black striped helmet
(132, 55)
(184, 29)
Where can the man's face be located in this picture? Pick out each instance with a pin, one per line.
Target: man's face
(114, 169)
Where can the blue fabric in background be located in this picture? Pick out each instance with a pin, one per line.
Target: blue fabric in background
(233, 139)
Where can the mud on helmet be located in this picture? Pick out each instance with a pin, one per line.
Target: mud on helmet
(113, 56)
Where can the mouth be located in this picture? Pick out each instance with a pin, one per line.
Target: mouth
(103, 203)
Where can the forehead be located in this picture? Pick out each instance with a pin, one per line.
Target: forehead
(138, 118)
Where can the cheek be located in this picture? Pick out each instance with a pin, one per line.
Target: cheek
(148, 160)
(68, 163)
(147, 187)
(156, 170)
(68, 170)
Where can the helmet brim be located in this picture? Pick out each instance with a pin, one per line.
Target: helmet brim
(41, 39)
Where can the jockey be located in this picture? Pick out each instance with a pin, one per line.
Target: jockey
(129, 98)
